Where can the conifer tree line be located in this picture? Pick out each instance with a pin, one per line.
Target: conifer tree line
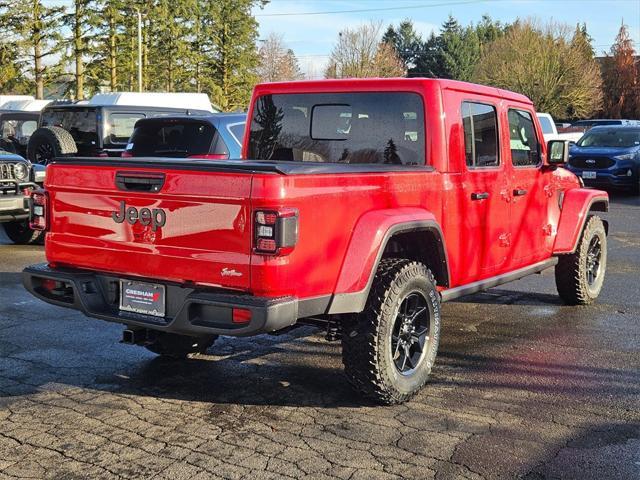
(553, 64)
(88, 45)
(74, 48)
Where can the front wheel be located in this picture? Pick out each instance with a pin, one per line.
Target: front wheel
(580, 275)
(20, 233)
(388, 349)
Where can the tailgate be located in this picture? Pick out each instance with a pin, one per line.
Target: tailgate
(183, 225)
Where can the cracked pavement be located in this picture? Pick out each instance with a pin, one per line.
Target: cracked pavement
(523, 387)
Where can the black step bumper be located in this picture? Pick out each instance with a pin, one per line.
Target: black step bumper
(189, 311)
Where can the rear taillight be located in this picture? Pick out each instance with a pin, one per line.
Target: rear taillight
(38, 210)
(276, 231)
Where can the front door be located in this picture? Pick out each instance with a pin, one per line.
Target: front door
(530, 191)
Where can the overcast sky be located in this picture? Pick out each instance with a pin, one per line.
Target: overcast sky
(311, 33)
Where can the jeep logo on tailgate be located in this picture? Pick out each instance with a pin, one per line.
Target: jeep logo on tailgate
(156, 217)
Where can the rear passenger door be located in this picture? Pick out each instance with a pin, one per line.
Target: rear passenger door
(486, 192)
(530, 190)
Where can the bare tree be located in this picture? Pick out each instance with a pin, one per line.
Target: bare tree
(277, 62)
(361, 53)
(548, 64)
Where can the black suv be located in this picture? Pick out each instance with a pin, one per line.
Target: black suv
(85, 130)
(18, 177)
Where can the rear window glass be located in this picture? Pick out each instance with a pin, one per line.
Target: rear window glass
(385, 128)
(237, 130)
(81, 123)
(172, 139)
(121, 126)
(480, 124)
(621, 137)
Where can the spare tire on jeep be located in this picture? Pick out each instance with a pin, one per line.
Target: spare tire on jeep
(47, 143)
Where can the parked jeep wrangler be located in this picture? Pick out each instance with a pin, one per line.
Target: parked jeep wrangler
(102, 126)
(16, 128)
(17, 180)
(362, 206)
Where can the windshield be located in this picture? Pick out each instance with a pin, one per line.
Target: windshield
(81, 123)
(546, 125)
(339, 128)
(171, 138)
(610, 138)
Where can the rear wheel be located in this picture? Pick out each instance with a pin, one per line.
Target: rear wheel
(47, 143)
(388, 350)
(20, 233)
(179, 346)
(580, 275)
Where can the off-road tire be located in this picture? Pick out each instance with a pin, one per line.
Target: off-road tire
(20, 233)
(56, 141)
(175, 346)
(367, 337)
(572, 271)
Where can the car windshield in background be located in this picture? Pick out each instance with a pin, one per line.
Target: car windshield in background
(170, 138)
(82, 124)
(622, 137)
(386, 128)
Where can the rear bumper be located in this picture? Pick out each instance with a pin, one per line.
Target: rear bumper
(189, 311)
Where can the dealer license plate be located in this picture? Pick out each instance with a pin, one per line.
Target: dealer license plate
(145, 298)
(588, 174)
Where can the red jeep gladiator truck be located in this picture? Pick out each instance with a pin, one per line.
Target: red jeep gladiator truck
(359, 205)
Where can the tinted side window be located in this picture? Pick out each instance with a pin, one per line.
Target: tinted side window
(237, 130)
(121, 126)
(480, 124)
(525, 148)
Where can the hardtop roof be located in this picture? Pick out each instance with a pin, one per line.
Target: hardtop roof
(385, 84)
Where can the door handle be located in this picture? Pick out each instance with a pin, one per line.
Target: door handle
(518, 192)
(479, 195)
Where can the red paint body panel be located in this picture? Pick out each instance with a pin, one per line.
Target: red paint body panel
(575, 208)
(207, 225)
(342, 217)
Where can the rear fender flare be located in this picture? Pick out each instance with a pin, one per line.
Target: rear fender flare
(370, 237)
(576, 206)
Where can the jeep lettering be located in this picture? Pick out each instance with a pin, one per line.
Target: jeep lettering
(156, 218)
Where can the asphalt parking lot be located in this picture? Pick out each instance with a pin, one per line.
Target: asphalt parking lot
(523, 387)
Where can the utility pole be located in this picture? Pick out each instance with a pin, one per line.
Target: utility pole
(139, 49)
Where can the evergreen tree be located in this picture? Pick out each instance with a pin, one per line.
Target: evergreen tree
(82, 22)
(36, 29)
(407, 43)
(229, 54)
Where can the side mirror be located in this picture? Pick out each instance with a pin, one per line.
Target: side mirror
(558, 152)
